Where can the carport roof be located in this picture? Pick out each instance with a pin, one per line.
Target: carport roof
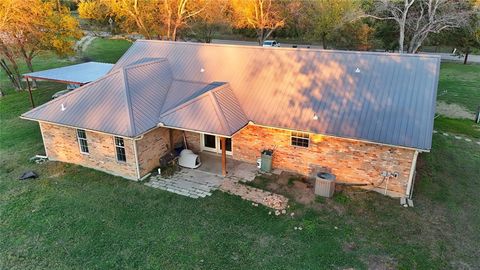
(78, 74)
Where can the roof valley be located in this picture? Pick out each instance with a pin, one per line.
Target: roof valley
(129, 104)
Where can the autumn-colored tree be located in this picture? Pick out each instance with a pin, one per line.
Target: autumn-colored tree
(176, 14)
(31, 26)
(150, 18)
(264, 16)
(96, 13)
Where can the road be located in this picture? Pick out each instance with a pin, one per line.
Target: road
(445, 56)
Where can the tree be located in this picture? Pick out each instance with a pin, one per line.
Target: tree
(264, 16)
(141, 16)
(95, 12)
(210, 20)
(150, 18)
(329, 16)
(32, 26)
(416, 19)
(176, 13)
(354, 36)
(469, 37)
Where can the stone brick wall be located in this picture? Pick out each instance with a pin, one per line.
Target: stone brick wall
(193, 141)
(351, 161)
(151, 148)
(61, 144)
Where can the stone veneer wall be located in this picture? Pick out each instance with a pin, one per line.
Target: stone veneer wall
(61, 144)
(351, 161)
(156, 144)
(153, 145)
(193, 139)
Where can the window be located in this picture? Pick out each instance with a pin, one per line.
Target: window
(82, 141)
(300, 139)
(120, 149)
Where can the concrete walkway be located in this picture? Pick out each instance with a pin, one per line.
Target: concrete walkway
(188, 182)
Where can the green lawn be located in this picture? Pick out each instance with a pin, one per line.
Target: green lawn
(78, 218)
(460, 84)
(107, 50)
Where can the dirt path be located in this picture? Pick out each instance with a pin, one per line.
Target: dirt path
(454, 111)
(83, 43)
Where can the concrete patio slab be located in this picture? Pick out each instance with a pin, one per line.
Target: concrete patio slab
(236, 170)
(188, 182)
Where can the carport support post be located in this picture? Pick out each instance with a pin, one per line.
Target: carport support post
(223, 143)
(30, 92)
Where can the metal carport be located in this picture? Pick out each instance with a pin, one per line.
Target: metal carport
(74, 74)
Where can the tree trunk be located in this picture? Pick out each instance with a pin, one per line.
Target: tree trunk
(13, 76)
(30, 67)
(324, 41)
(260, 36)
(401, 39)
(467, 52)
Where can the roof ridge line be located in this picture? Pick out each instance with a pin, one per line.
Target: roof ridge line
(129, 102)
(219, 111)
(190, 81)
(289, 48)
(146, 63)
(74, 91)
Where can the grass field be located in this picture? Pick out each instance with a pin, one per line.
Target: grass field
(78, 218)
(460, 84)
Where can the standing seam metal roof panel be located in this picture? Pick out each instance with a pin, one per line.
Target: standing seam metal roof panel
(285, 88)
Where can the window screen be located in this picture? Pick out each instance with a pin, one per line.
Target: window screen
(120, 149)
(82, 141)
(300, 139)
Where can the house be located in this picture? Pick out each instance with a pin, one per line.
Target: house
(364, 116)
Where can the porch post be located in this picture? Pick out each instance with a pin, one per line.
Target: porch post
(224, 155)
(30, 92)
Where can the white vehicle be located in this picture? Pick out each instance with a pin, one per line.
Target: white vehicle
(271, 43)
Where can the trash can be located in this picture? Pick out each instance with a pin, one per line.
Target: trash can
(325, 184)
(266, 163)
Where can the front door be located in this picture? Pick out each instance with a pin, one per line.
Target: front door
(212, 143)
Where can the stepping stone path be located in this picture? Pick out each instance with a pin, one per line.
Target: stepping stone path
(456, 137)
(190, 183)
(269, 199)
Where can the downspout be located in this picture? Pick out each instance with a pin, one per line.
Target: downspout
(43, 138)
(137, 166)
(409, 190)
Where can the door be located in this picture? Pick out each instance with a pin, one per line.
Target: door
(212, 143)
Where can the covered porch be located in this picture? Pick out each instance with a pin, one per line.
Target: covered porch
(235, 169)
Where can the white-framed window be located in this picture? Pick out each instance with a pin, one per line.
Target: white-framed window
(300, 139)
(120, 149)
(82, 141)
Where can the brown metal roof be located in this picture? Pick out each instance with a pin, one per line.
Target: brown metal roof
(125, 102)
(378, 97)
(136, 98)
(216, 111)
